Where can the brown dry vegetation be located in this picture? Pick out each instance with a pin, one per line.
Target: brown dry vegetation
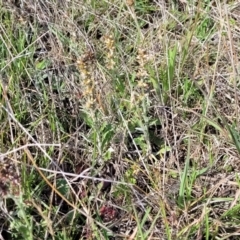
(119, 119)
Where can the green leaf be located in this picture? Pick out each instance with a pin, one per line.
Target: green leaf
(41, 65)
(62, 187)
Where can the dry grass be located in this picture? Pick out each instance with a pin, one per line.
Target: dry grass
(119, 120)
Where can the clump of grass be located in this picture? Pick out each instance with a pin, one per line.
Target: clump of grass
(119, 121)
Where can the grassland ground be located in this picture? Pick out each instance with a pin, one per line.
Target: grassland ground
(119, 119)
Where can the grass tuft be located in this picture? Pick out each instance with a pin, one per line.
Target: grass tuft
(119, 120)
